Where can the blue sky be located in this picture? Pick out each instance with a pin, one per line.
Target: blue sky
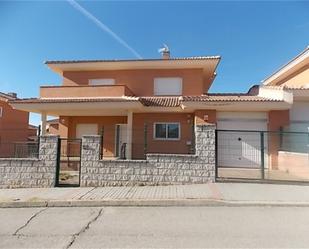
(253, 38)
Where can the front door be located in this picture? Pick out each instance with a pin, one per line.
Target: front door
(121, 140)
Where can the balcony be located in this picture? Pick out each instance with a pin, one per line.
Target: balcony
(84, 91)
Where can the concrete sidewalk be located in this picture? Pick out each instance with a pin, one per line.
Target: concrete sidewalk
(235, 194)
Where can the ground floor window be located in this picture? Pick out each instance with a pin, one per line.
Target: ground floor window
(167, 131)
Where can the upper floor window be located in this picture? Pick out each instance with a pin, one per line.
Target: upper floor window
(168, 86)
(101, 82)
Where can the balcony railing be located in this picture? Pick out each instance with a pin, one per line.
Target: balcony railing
(84, 91)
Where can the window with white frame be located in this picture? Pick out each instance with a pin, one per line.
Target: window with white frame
(167, 131)
(102, 82)
(168, 86)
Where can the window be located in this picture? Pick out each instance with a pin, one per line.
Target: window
(167, 131)
(1, 112)
(102, 82)
(168, 86)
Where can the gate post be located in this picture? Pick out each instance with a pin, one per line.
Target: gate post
(58, 161)
(262, 156)
(216, 154)
(145, 139)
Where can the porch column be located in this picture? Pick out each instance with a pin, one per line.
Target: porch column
(129, 134)
(43, 123)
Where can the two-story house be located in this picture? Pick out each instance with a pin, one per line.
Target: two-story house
(168, 95)
(14, 125)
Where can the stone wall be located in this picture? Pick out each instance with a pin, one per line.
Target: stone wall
(31, 172)
(157, 169)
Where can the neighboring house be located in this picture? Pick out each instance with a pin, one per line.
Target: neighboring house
(293, 78)
(169, 95)
(14, 125)
(33, 133)
(52, 126)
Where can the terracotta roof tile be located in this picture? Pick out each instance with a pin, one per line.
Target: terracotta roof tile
(228, 98)
(128, 60)
(283, 87)
(73, 100)
(7, 96)
(156, 101)
(160, 101)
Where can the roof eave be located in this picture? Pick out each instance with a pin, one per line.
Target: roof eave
(60, 67)
(238, 105)
(273, 78)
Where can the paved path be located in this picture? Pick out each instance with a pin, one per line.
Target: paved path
(155, 227)
(158, 195)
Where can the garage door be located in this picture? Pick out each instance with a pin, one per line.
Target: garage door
(239, 139)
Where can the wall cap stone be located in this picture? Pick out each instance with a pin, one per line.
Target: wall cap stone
(19, 159)
(50, 136)
(207, 124)
(122, 161)
(171, 155)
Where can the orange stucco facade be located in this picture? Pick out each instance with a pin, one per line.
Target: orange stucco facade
(84, 91)
(276, 121)
(297, 79)
(181, 146)
(205, 116)
(107, 126)
(141, 82)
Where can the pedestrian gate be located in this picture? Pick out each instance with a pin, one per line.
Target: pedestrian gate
(68, 162)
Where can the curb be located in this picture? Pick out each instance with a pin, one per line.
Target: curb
(149, 203)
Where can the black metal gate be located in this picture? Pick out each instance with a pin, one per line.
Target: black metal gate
(68, 162)
(262, 155)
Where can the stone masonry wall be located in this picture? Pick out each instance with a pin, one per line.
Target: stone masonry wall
(31, 172)
(157, 169)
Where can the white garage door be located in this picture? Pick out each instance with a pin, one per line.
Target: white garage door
(239, 139)
(86, 129)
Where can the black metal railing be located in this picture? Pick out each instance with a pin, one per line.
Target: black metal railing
(19, 150)
(262, 155)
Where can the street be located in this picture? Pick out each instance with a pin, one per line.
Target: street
(154, 227)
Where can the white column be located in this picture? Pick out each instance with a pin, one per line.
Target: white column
(43, 123)
(129, 134)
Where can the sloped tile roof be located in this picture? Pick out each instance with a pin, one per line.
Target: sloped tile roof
(128, 60)
(283, 87)
(228, 98)
(74, 100)
(160, 101)
(7, 96)
(155, 101)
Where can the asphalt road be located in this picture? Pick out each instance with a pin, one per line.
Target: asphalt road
(155, 227)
